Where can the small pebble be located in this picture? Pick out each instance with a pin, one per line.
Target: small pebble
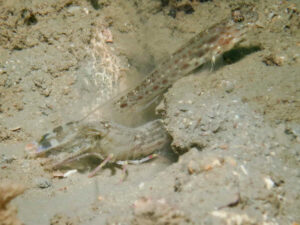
(269, 183)
(42, 182)
(141, 185)
(229, 87)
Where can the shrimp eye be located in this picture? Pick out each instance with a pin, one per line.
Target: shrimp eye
(44, 142)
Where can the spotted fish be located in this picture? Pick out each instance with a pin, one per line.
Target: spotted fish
(204, 47)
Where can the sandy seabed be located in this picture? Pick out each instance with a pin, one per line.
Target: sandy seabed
(236, 129)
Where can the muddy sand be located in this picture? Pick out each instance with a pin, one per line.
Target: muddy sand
(235, 126)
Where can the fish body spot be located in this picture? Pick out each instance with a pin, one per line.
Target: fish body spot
(155, 87)
(165, 81)
(225, 41)
(184, 66)
(213, 39)
(123, 105)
